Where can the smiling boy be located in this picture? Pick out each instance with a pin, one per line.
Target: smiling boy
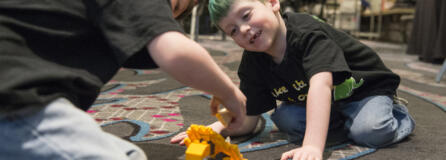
(318, 72)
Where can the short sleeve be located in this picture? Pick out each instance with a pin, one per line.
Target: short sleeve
(129, 25)
(259, 98)
(321, 54)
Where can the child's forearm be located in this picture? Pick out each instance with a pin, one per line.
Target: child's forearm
(190, 64)
(318, 111)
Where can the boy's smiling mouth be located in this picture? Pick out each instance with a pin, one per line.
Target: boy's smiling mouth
(255, 36)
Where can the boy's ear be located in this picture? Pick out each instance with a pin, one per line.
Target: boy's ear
(275, 5)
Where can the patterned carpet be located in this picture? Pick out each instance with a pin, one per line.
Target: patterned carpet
(148, 107)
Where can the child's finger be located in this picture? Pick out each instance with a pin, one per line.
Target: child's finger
(182, 142)
(179, 138)
(287, 155)
(215, 103)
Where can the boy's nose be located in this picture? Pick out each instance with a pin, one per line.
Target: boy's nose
(245, 28)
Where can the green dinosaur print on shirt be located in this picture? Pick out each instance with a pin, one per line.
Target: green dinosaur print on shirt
(345, 89)
(317, 18)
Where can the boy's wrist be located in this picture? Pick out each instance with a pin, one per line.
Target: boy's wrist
(314, 148)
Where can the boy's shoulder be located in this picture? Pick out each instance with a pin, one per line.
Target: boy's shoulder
(299, 18)
(296, 15)
(301, 22)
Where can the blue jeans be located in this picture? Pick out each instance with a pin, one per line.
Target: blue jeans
(374, 121)
(61, 131)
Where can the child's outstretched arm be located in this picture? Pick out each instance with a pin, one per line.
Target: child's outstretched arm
(189, 63)
(318, 117)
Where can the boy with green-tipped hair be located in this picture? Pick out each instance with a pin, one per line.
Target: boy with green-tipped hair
(323, 77)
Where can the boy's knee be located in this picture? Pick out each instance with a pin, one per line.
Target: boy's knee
(281, 122)
(375, 135)
(287, 126)
(289, 119)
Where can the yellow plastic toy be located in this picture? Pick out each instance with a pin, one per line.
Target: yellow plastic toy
(202, 142)
(223, 115)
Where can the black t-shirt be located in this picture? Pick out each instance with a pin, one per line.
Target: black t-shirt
(70, 48)
(313, 47)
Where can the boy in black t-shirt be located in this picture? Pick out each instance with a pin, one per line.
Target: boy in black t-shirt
(56, 55)
(319, 73)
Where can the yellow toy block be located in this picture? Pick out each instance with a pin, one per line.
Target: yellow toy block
(197, 151)
(224, 116)
(201, 140)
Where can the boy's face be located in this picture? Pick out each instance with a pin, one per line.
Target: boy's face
(252, 24)
(180, 6)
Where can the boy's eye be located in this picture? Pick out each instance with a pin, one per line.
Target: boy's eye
(246, 15)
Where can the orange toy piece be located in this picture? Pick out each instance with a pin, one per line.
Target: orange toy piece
(197, 151)
(223, 115)
(203, 142)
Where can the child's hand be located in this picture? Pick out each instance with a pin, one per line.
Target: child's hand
(179, 138)
(236, 105)
(303, 153)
